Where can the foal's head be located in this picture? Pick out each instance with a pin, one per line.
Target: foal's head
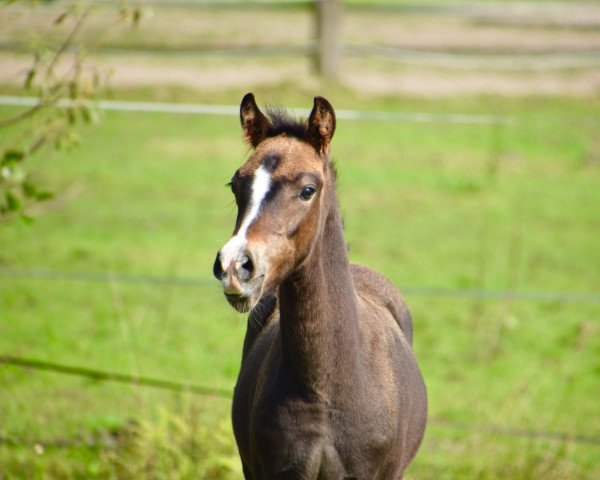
(283, 193)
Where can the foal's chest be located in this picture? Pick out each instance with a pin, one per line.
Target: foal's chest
(310, 440)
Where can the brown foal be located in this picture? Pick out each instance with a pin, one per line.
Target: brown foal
(329, 387)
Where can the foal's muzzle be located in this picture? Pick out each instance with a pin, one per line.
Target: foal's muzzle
(242, 268)
(236, 278)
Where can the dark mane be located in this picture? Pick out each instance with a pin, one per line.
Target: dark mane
(281, 122)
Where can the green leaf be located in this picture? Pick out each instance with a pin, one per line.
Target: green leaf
(71, 115)
(43, 196)
(12, 155)
(58, 20)
(89, 114)
(85, 114)
(137, 15)
(26, 219)
(74, 89)
(29, 79)
(12, 202)
(29, 190)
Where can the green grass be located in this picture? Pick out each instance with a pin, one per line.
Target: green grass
(429, 205)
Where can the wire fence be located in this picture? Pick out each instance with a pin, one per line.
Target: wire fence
(100, 375)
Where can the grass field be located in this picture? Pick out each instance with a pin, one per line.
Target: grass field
(510, 207)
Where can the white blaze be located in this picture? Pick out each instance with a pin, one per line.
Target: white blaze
(236, 245)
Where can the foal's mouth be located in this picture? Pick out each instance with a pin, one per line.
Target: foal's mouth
(242, 303)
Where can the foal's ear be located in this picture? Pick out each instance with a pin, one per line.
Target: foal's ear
(254, 123)
(321, 125)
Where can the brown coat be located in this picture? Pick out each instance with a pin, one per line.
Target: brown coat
(328, 387)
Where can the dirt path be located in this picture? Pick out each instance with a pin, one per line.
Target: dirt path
(375, 77)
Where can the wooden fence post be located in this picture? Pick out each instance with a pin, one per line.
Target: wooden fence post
(329, 37)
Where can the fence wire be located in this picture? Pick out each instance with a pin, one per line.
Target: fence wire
(434, 292)
(179, 387)
(115, 377)
(234, 110)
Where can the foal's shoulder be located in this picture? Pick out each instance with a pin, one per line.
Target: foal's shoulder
(378, 288)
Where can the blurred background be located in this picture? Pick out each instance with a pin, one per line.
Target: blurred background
(468, 151)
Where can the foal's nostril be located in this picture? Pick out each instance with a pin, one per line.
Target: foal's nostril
(218, 267)
(246, 268)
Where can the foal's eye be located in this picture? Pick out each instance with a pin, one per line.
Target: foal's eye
(307, 192)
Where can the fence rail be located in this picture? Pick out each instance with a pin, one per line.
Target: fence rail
(495, 9)
(328, 46)
(489, 61)
(526, 62)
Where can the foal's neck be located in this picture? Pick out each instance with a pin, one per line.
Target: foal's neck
(319, 312)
